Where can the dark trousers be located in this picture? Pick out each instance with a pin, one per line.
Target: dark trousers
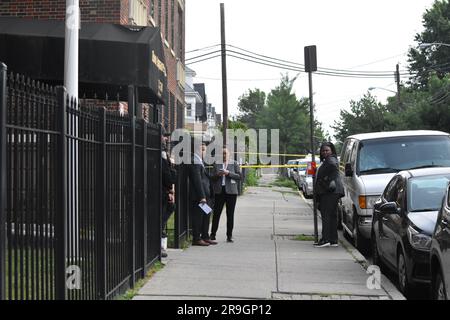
(230, 201)
(328, 210)
(200, 223)
(167, 210)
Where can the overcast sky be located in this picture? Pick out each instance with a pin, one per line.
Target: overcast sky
(349, 34)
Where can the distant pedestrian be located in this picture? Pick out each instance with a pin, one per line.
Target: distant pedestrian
(226, 177)
(200, 194)
(328, 189)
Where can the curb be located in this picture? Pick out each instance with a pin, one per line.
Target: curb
(386, 284)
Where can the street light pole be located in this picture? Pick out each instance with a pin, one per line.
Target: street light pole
(224, 74)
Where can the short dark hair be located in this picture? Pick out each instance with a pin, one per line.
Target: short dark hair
(331, 146)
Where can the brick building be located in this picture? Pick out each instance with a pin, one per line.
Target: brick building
(168, 15)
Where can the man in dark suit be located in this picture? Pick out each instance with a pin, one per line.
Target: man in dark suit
(200, 193)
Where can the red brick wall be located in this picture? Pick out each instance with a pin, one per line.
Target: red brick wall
(102, 11)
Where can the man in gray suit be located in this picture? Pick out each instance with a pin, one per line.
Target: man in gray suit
(225, 178)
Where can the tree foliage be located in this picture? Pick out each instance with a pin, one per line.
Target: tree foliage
(436, 22)
(250, 105)
(365, 115)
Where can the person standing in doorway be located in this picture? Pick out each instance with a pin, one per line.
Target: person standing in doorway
(328, 189)
(225, 178)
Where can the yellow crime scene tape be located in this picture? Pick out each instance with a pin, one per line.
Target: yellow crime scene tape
(274, 154)
(274, 166)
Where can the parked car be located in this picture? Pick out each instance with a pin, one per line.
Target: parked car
(440, 253)
(291, 169)
(403, 222)
(370, 160)
(305, 179)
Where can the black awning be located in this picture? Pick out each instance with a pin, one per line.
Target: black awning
(111, 56)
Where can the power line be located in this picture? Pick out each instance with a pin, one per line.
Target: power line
(193, 62)
(203, 49)
(203, 55)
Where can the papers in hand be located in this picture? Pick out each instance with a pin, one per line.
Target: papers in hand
(206, 209)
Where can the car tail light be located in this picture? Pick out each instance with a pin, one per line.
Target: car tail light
(311, 168)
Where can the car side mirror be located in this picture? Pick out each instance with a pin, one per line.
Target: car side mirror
(348, 170)
(389, 208)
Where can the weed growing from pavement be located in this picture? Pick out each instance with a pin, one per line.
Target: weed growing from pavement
(304, 237)
(131, 293)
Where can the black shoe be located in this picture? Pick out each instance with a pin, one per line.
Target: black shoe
(230, 240)
(212, 237)
(334, 244)
(322, 243)
(163, 253)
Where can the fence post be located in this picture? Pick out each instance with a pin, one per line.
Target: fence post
(101, 212)
(3, 93)
(61, 216)
(145, 199)
(132, 102)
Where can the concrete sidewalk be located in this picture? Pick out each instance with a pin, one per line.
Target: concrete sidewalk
(265, 262)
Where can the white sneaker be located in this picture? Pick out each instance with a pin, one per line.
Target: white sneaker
(334, 244)
(322, 244)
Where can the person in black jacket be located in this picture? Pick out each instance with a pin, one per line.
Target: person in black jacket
(200, 193)
(328, 189)
(169, 178)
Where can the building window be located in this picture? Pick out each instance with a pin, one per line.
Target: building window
(152, 8)
(172, 23)
(138, 12)
(160, 13)
(180, 34)
(180, 118)
(166, 29)
(172, 112)
(189, 110)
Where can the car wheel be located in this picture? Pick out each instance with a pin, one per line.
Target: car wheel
(359, 241)
(439, 292)
(402, 274)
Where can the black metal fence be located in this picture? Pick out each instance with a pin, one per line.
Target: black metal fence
(80, 198)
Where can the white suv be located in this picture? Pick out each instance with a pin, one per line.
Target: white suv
(368, 161)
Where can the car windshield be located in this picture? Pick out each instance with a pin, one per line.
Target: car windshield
(426, 193)
(402, 153)
(302, 165)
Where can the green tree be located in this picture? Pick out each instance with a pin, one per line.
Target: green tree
(249, 105)
(365, 115)
(285, 112)
(436, 22)
(426, 109)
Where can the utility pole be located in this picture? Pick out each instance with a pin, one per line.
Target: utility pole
(397, 80)
(224, 75)
(310, 67)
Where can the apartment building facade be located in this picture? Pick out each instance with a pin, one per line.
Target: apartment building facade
(167, 15)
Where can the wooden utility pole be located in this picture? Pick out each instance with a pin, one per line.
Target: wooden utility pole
(397, 80)
(224, 75)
